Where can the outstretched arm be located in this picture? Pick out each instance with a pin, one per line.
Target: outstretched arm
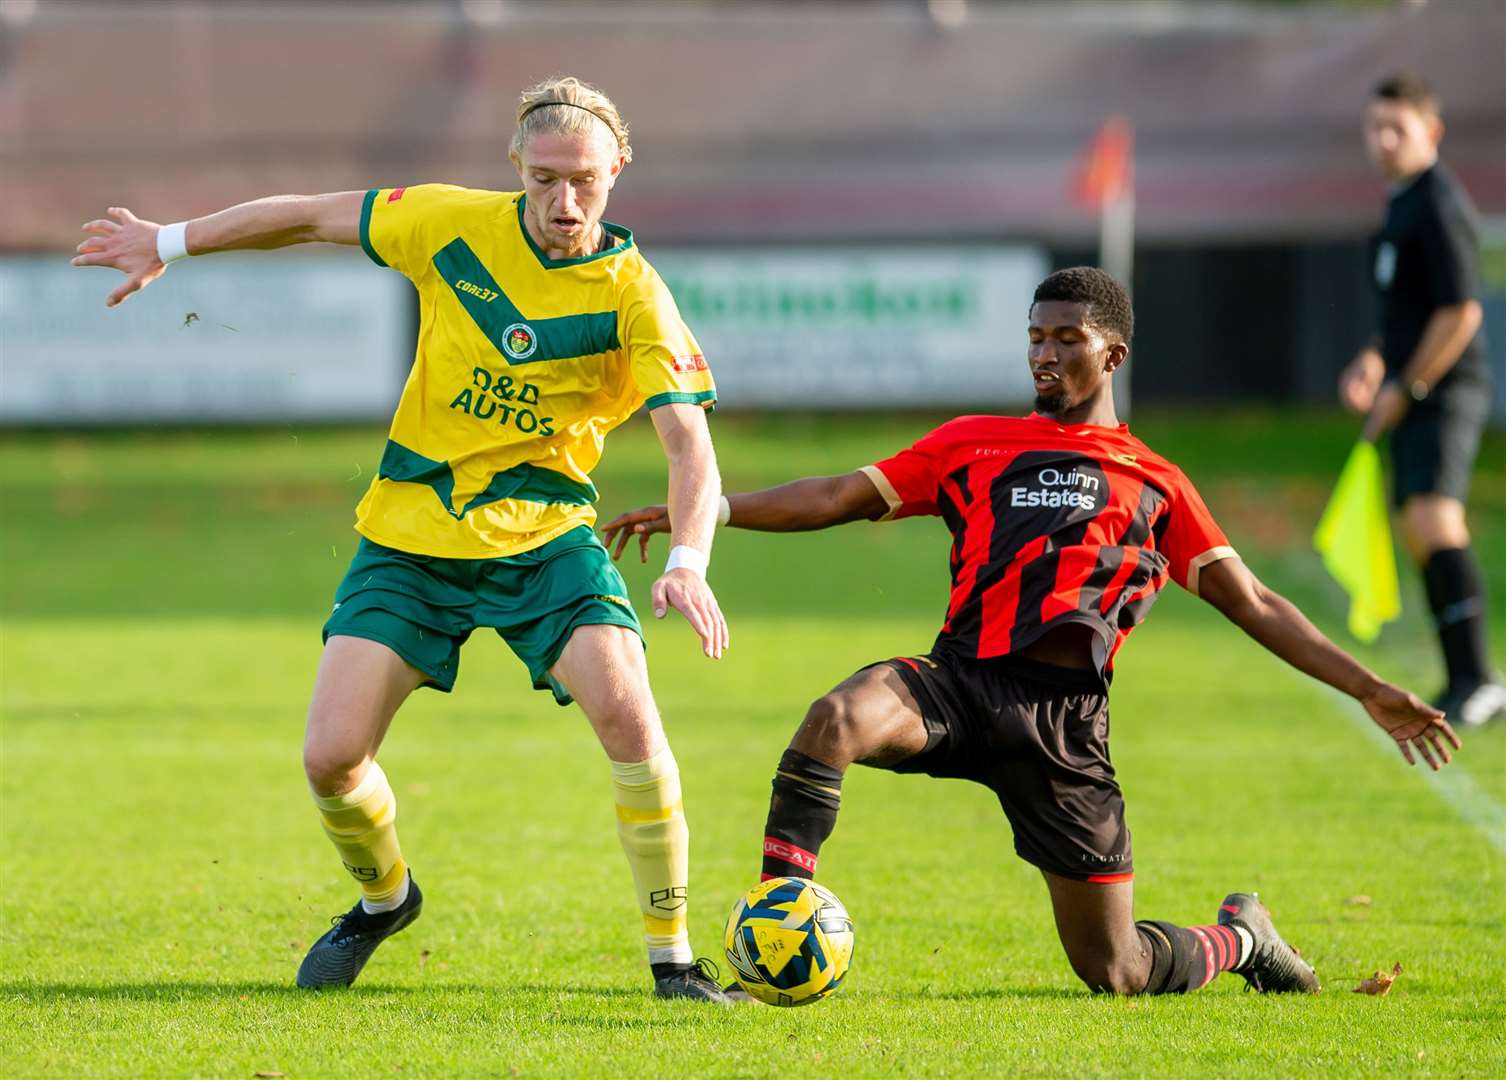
(124, 242)
(1275, 622)
(817, 502)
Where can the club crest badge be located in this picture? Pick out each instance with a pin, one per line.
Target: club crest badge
(519, 341)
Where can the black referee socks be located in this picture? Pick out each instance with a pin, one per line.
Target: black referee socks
(1456, 594)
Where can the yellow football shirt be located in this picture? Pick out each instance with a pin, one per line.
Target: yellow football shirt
(523, 365)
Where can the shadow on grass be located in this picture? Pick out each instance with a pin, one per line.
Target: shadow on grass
(988, 993)
(54, 993)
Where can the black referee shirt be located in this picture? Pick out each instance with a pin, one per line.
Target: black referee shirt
(1427, 256)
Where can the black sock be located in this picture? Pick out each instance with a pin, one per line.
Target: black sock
(1183, 959)
(1456, 594)
(802, 814)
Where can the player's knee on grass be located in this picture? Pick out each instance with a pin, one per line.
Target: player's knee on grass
(1095, 924)
(1111, 971)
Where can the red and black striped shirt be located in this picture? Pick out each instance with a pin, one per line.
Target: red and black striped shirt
(1051, 524)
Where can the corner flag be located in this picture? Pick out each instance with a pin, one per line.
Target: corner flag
(1354, 538)
(1105, 171)
(1104, 180)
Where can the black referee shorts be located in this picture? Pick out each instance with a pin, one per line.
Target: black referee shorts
(1434, 447)
(1037, 735)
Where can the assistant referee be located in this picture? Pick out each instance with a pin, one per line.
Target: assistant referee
(1425, 379)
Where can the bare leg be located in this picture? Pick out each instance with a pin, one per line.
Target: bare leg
(360, 685)
(1432, 523)
(603, 668)
(1096, 924)
(606, 673)
(357, 692)
(871, 718)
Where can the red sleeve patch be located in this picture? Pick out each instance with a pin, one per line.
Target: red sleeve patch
(397, 193)
(685, 365)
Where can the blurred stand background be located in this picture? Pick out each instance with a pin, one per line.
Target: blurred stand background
(852, 201)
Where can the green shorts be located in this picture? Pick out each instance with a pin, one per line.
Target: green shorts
(423, 607)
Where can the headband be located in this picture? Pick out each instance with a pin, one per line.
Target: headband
(545, 104)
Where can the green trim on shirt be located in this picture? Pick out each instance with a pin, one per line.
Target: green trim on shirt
(519, 339)
(624, 241)
(704, 398)
(366, 205)
(525, 482)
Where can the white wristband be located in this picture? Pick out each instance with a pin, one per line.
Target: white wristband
(723, 511)
(681, 556)
(172, 242)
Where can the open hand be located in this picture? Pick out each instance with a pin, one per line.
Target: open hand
(687, 592)
(640, 523)
(1412, 722)
(122, 242)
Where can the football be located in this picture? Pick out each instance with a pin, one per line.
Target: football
(789, 941)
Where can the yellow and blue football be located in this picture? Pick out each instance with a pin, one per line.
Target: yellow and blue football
(789, 941)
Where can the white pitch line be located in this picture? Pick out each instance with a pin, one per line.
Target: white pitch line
(1455, 786)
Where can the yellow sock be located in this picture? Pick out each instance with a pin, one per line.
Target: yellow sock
(651, 825)
(362, 823)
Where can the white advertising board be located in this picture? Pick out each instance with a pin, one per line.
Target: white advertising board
(310, 336)
(860, 327)
(313, 336)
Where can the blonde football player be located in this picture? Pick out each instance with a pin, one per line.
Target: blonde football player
(542, 329)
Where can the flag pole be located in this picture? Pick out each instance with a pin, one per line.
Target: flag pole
(1104, 180)
(1116, 241)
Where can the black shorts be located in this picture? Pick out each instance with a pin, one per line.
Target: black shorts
(1433, 449)
(1037, 736)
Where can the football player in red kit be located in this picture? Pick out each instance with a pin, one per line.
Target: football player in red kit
(1065, 527)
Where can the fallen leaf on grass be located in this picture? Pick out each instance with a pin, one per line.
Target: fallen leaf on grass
(423, 958)
(1359, 900)
(1379, 984)
(268, 1074)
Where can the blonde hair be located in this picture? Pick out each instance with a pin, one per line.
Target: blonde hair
(564, 105)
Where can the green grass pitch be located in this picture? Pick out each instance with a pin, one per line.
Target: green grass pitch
(163, 870)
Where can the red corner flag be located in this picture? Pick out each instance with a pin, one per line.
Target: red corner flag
(1103, 171)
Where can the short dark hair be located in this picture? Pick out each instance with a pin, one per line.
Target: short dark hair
(1409, 88)
(1107, 303)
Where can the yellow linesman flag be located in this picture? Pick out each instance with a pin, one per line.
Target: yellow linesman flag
(1354, 538)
